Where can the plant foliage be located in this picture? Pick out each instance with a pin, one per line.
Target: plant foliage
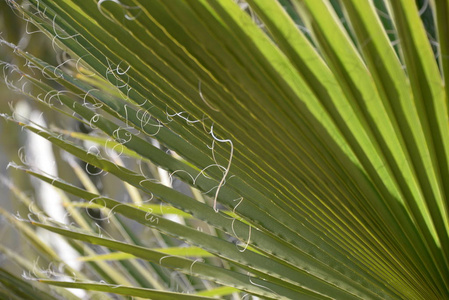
(313, 133)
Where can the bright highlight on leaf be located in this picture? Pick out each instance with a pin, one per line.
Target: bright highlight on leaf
(178, 251)
(299, 147)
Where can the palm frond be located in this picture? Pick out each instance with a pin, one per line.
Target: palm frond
(313, 135)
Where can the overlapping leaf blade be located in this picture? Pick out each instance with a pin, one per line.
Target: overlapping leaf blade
(335, 157)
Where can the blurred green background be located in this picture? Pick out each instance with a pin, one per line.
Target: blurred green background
(14, 29)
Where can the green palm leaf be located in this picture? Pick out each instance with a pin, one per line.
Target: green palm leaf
(313, 134)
